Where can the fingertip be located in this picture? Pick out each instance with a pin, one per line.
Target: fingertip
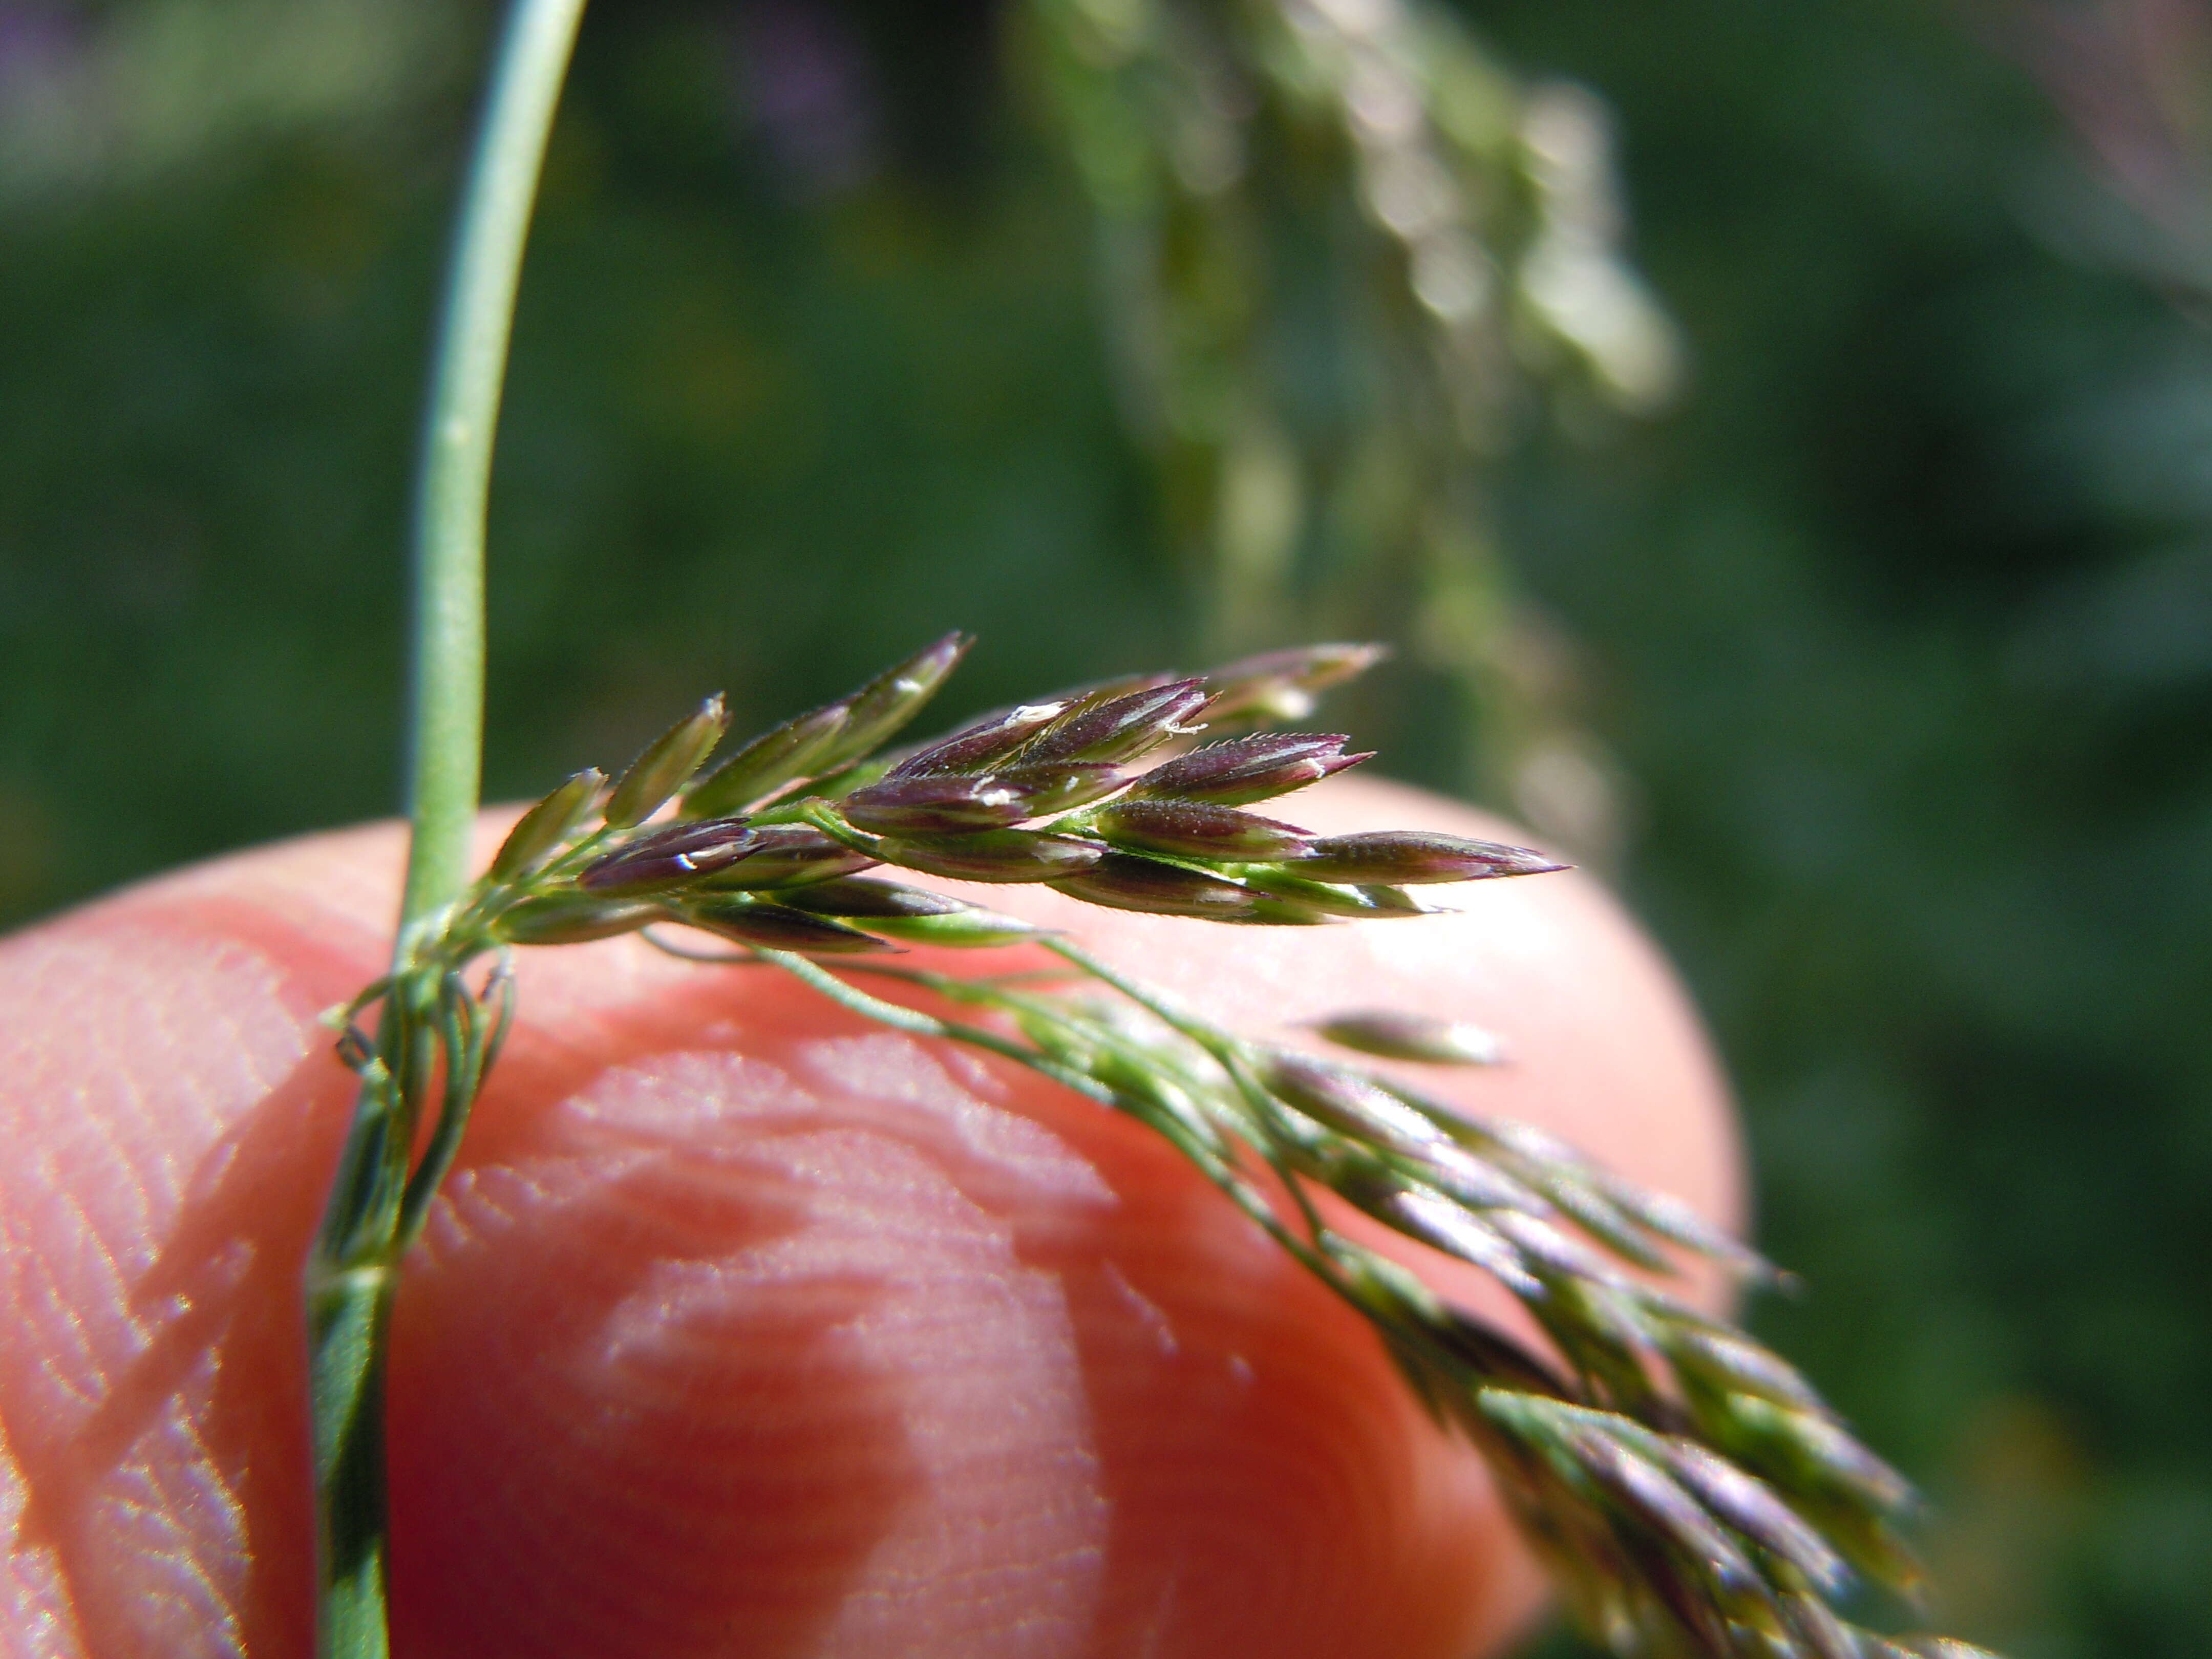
(745, 1323)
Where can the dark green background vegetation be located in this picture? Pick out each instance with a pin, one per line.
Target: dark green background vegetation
(1899, 625)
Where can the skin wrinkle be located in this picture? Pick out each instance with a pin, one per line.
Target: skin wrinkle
(899, 1071)
(477, 1208)
(87, 1278)
(215, 1014)
(224, 1015)
(661, 1481)
(71, 1293)
(1008, 1502)
(33, 1602)
(747, 1458)
(65, 1333)
(190, 1525)
(235, 1300)
(1148, 1313)
(892, 1069)
(133, 1195)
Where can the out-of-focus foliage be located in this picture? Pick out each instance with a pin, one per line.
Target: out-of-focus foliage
(1346, 256)
(1899, 624)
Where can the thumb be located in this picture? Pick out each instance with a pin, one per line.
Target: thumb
(744, 1326)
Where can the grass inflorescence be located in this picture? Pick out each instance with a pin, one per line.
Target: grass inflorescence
(1690, 1490)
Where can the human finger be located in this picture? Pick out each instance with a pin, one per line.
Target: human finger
(744, 1326)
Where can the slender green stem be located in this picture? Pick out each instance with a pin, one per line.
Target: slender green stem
(354, 1265)
(445, 715)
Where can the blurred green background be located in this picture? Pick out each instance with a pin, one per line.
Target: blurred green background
(1876, 663)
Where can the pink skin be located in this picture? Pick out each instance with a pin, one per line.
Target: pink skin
(745, 1326)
